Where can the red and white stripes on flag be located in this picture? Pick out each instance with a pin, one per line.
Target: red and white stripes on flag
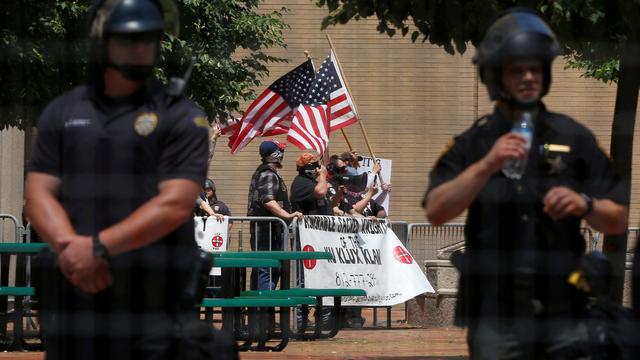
(310, 128)
(326, 107)
(271, 113)
(341, 104)
(268, 107)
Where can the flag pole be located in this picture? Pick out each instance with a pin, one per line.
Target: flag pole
(355, 108)
(346, 139)
(323, 156)
(306, 54)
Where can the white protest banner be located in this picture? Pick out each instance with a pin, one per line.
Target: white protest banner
(367, 255)
(366, 165)
(211, 235)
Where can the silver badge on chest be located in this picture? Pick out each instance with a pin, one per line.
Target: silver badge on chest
(145, 123)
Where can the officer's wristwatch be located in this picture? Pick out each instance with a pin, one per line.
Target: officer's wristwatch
(589, 202)
(99, 250)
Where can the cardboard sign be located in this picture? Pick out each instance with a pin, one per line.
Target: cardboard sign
(366, 165)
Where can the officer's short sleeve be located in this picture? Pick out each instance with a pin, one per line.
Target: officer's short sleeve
(267, 186)
(602, 181)
(200, 199)
(47, 150)
(185, 148)
(450, 164)
(224, 209)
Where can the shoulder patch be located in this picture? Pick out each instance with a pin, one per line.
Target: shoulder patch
(201, 121)
(448, 147)
(482, 121)
(145, 123)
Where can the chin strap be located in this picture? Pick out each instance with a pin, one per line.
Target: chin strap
(133, 72)
(517, 105)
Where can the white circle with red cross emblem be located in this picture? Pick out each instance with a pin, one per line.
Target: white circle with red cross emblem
(217, 241)
(309, 264)
(402, 255)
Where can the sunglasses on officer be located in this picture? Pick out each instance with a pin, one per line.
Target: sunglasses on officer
(130, 39)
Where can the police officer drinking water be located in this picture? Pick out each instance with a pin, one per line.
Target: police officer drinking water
(528, 177)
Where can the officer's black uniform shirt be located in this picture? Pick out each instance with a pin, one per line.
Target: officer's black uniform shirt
(218, 206)
(303, 200)
(111, 155)
(508, 236)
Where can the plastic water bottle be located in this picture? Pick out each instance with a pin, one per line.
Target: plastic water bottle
(514, 168)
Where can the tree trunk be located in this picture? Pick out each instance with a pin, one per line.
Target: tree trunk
(615, 247)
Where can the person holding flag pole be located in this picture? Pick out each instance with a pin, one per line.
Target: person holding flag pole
(385, 187)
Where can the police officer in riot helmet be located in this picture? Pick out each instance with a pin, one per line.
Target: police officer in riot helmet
(516, 37)
(116, 168)
(523, 232)
(268, 196)
(208, 204)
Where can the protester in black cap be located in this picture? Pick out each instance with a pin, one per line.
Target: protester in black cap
(524, 206)
(116, 168)
(268, 196)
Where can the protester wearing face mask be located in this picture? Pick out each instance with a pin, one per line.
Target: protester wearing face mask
(338, 178)
(311, 195)
(268, 197)
(309, 190)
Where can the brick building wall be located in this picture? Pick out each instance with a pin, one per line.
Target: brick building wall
(412, 98)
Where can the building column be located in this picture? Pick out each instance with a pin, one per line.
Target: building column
(11, 178)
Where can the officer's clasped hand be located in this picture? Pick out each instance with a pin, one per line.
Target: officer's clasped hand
(80, 266)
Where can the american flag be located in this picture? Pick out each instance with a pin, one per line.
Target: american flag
(326, 107)
(229, 126)
(271, 113)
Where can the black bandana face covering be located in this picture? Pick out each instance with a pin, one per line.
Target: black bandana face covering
(311, 170)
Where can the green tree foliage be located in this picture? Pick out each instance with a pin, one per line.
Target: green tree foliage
(43, 47)
(592, 31)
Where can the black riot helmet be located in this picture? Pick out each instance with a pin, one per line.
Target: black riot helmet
(134, 16)
(128, 18)
(517, 34)
(209, 184)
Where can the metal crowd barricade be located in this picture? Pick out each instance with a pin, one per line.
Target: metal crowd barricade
(633, 235)
(401, 229)
(592, 239)
(424, 239)
(14, 231)
(14, 271)
(9, 235)
(239, 235)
